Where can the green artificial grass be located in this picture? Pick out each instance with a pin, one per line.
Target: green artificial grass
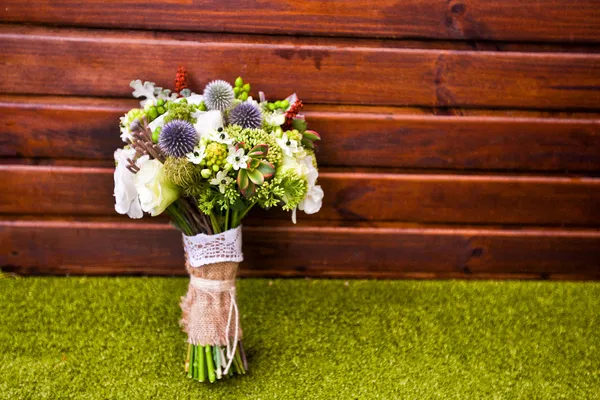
(118, 338)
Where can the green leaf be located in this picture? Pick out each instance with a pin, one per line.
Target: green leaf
(308, 143)
(249, 190)
(255, 176)
(299, 124)
(242, 180)
(254, 163)
(311, 135)
(266, 169)
(259, 151)
(238, 205)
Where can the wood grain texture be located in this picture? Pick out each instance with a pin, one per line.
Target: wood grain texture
(83, 128)
(350, 196)
(322, 73)
(96, 248)
(548, 20)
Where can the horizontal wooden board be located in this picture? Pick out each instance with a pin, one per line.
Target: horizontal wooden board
(103, 63)
(550, 20)
(351, 196)
(97, 248)
(83, 128)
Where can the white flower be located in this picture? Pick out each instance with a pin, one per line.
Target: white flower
(154, 191)
(220, 136)
(275, 119)
(196, 156)
(237, 159)
(313, 201)
(288, 146)
(208, 122)
(222, 180)
(126, 197)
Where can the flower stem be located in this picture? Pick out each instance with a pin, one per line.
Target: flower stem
(227, 219)
(239, 219)
(191, 364)
(210, 366)
(202, 364)
(215, 224)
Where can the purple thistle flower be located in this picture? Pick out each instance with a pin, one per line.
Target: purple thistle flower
(246, 115)
(177, 138)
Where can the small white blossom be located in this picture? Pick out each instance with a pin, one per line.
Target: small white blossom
(222, 180)
(237, 159)
(196, 156)
(220, 136)
(288, 146)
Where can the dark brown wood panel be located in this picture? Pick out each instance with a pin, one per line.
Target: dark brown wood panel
(96, 248)
(75, 62)
(83, 128)
(349, 196)
(549, 20)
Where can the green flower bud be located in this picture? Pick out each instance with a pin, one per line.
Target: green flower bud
(236, 91)
(160, 102)
(238, 81)
(244, 96)
(285, 104)
(161, 110)
(155, 135)
(246, 87)
(153, 112)
(206, 173)
(215, 167)
(202, 107)
(271, 106)
(278, 104)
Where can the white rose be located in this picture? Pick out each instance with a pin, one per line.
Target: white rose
(155, 193)
(126, 197)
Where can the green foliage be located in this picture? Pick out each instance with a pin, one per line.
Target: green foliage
(118, 338)
(208, 198)
(180, 110)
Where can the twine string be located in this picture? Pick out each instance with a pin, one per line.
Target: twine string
(212, 287)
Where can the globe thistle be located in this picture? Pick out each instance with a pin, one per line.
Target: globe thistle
(218, 95)
(177, 138)
(246, 115)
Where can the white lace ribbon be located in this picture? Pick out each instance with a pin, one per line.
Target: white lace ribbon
(209, 249)
(211, 286)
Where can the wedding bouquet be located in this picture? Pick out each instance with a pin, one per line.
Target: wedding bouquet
(205, 161)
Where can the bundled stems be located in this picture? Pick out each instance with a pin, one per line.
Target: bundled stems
(209, 362)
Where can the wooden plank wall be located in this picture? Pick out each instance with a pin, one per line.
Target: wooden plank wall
(461, 138)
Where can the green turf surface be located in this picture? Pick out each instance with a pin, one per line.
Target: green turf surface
(100, 338)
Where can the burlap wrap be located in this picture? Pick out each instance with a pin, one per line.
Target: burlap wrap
(205, 313)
